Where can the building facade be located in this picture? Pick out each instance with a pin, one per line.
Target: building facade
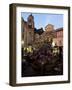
(28, 31)
(36, 38)
(59, 37)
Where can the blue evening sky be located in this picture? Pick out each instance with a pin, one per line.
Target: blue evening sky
(41, 20)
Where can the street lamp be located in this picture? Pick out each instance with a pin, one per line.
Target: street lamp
(29, 49)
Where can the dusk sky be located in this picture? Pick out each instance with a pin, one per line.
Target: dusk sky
(41, 20)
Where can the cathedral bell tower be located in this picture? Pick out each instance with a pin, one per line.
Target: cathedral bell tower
(30, 30)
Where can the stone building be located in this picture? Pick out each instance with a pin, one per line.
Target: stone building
(37, 37)
(56, 35)
(28, 31)
(49, 27)
(59, 37)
